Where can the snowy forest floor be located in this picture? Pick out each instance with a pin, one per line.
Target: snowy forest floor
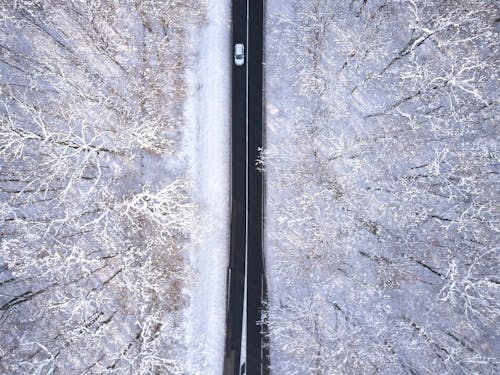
(382, 186)
(113, 186)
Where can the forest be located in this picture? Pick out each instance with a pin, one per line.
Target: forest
(382, 186)
(94, 200)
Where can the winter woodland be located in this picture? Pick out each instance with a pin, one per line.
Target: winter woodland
(382, 194)
(94, 202)
(381, 166)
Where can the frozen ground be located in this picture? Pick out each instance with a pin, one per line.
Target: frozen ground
(208, 118)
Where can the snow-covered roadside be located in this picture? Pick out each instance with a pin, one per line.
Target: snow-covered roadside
(207, 145)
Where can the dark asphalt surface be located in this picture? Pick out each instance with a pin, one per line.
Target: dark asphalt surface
(247, 207)
(236, 272)
(257, 355)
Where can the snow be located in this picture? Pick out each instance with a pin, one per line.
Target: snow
(207, 145)
(109, 196)
(361, 247)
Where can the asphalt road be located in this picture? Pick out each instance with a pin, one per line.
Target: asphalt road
(236, 271)
(257, 354)
(246, 196)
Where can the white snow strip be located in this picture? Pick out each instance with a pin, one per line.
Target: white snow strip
(208, 145)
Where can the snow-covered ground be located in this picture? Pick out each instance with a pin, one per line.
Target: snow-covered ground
(208, 147)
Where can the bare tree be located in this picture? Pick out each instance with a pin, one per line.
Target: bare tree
(382, 187)
(92, 274)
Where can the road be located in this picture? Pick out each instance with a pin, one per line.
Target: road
(246, 197)
(257, 357)
(236, 271)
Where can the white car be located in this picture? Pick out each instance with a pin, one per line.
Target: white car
(239, 54)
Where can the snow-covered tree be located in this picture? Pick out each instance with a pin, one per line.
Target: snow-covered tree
(93, 222)
(382, 168)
